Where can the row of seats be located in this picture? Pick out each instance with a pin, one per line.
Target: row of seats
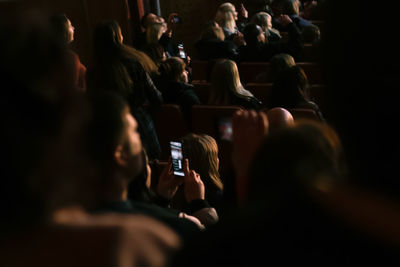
(206, 119)
(248, 71)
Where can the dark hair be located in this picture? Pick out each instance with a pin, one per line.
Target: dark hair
(171, 69)
(106, 125)
(290, 88)
(143, 20)
(251, 32)
(294, 157)
(59, 27)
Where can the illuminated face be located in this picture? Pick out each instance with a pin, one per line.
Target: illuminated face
(71, 30)
(132, 145)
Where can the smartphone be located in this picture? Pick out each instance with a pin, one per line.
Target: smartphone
(182, 53)
(177, 19)
(225, 128)
(177, 158)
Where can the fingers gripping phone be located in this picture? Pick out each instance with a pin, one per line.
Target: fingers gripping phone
(177, 158)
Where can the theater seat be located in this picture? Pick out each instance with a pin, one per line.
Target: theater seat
(170, 125)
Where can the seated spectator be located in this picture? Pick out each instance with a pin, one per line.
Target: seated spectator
(290, 90)
(212, 45)
(311, 34)
(290, 8)
(64, 31)
(264, 20)
(226, 17)
(258, 48)
(166, 40)
(116, 68)
(227, 88)
(277, 65)
(202, 152)
(175, 87)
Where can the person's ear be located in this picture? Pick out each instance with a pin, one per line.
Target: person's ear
(120, 156)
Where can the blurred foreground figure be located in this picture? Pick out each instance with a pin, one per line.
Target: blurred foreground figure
(47, 180)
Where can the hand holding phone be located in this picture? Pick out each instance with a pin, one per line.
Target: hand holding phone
(177, 158)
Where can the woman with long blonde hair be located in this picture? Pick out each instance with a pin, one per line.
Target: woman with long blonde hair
(202, 152)
(226, 17)
(227, 88)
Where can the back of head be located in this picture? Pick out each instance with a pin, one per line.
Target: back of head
(278, 64)
(279, 118)
(297, 157)
(171, 69)
(225, 81)
(107, 40)
(310, 33)
(202, 152)
(290, 88)
(213, 32)
(251, 32)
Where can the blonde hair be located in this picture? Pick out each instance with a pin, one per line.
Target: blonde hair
(225, 83)
(263, 19)
(225, 16)
(202, 152)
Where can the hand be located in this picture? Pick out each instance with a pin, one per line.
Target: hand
(243, 12)
(168, 183)
(284, 20)
(238, 39)
(249, 130)
(194, 186)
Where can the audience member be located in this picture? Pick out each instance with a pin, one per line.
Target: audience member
(116, 68)
(226, 17)
(202, 152)
(64, 32)
(212, 44)
(175, 87)
(290, 90)
(264, 20)
(277, 65)
(258, 48)
(166, 40)
(227, 88)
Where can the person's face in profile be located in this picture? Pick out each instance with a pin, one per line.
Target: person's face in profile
(71, 31)
(132, 144)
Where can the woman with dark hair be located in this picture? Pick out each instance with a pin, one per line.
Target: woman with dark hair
(291, 90)
(175, 87)
(63, 31)
(118, 67)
